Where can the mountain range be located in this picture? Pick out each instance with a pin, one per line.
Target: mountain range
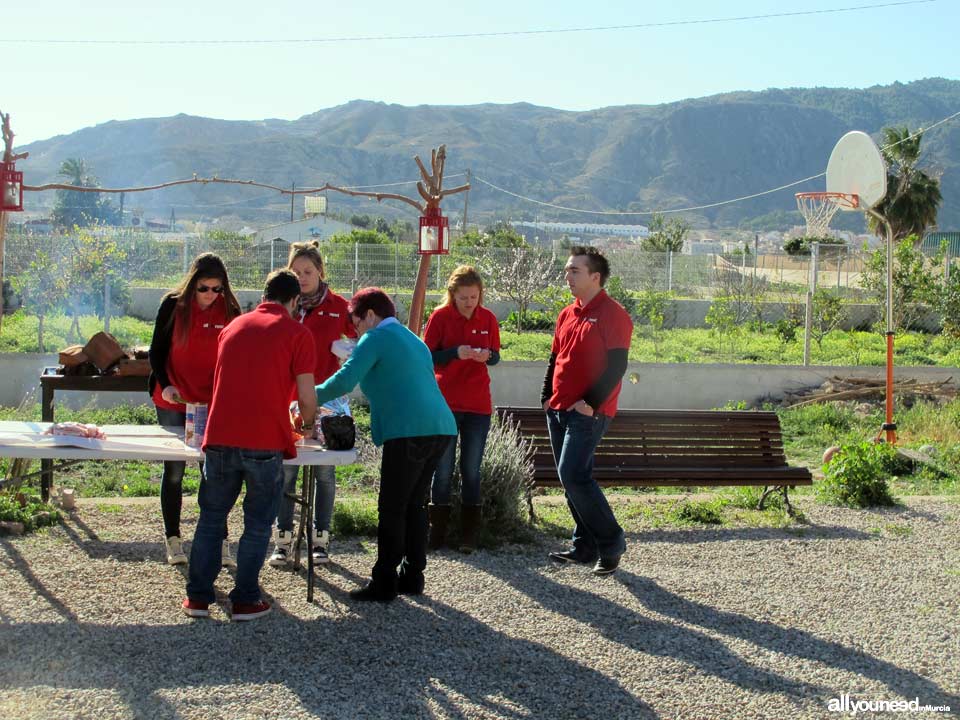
(637, 157)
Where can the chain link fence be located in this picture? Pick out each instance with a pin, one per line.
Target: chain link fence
(161, 260)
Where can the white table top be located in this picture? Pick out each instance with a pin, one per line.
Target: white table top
(133, 442)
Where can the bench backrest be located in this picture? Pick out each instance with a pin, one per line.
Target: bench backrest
(669, 438)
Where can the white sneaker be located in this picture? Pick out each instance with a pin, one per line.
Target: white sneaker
(175, 554)
(281, 553)
(226, 557)
(320, 546)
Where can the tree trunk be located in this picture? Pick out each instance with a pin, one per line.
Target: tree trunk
(40, 333)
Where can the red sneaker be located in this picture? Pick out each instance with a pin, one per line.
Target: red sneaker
(249, 611)
(195, 608)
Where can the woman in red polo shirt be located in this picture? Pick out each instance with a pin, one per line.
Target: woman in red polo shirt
(183, 353)
(464, 338)
(327, 316)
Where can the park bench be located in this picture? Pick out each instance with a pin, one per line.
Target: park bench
(678, 448)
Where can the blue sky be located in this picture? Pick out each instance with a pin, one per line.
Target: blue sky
(51, 89)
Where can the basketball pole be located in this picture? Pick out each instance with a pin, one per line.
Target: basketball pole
(889, 426)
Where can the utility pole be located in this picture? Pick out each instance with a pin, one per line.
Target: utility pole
(121, 209)
(466, 199)
(293, 186)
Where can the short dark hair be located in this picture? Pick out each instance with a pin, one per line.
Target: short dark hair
(596, 262)
(282, 286)
(372, 298)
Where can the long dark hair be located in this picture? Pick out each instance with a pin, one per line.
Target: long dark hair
(205, 265)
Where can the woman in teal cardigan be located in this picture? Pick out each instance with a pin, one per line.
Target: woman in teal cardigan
(411, 421)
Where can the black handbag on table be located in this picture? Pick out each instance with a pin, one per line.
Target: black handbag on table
(339, 432)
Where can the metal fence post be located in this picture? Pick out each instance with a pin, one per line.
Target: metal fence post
(106, 301)
(356, 265)
(669, 270)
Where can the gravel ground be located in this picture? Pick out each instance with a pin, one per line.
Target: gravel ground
(697, 623)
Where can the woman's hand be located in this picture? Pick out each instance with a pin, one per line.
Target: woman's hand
(481, 355)
(465, 352)
(171, 394)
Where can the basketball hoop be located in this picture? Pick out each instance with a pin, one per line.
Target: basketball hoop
(818, 209)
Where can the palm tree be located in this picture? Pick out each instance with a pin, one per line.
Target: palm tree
(913, 196)
(76, 170)
(73, 208)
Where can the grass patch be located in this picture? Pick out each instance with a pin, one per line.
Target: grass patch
(356, 515)
(20, 331)
(701, 345)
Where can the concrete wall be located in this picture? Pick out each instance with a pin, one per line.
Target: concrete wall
(658, 385)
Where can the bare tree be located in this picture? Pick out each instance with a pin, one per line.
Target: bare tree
(517, 274)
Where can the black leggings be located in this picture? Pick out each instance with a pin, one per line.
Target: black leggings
(171, 483)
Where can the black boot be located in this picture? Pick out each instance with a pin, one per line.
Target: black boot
(372, 591)
(439, 519)
(411, 582)
(469, 527)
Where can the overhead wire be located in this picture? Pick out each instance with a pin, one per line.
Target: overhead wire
(460, 35)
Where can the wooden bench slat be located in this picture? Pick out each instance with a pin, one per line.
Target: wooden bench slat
(680, 448)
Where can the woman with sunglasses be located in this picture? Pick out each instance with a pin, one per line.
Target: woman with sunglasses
(183, 353)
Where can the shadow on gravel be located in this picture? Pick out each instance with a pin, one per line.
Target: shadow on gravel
(372, 661)
(710, 656)
(23, 567)
(646, 635)
(787, 641)
(698, 535)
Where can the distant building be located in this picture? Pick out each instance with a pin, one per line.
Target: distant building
(319, 227)
(703, 247)
(545, 232)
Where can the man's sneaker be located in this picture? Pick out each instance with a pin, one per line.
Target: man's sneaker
(281, 553)
(249, 611)
(606, 565)
(195, 608)
(571, 556)
(175, 554)
(321, 546)
(226, 557)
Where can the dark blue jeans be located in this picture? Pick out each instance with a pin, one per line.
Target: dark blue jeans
(228, 469)
(574, 438)
(326, 493)
(473, 429)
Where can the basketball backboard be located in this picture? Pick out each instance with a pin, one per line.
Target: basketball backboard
(856, 167)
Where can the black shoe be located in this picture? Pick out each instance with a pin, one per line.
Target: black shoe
(571, 556)
(606, 565)
(410, 584)
(370, 591)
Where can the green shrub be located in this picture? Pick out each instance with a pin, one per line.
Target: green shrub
(33, 514)
(857, 476)
(532, 320)
(506, 473)
(697, 513)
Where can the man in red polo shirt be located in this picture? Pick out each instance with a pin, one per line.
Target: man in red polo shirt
(262, 356)
(587, 362)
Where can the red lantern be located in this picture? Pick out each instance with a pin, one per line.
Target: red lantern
(434, 233)
(11, 188)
